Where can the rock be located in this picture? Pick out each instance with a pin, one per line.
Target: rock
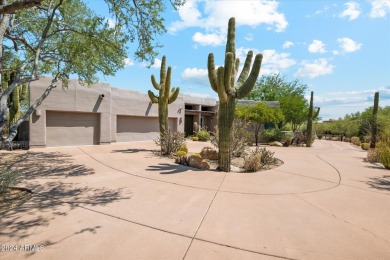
(279, 144)
(209, 153)
(197, 162)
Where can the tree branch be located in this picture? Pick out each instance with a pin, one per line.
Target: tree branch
(19, 5)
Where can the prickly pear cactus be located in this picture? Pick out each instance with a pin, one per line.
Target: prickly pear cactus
(165, 97)
(310, 118)
(374, 127)
(222, 81)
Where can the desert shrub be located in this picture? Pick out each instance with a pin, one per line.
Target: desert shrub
(347, 139)
(383, 153)
(238, 139)
(365, 146)
(372, 156)
(7, 178)
(195, 138)
(258, 159)
(320, 136)
(271, 135)
(203, 135)
(183, 148)
(196, 155)
(171, 142)
(355, 140)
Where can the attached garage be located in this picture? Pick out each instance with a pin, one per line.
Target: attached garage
(72, 128)
(136, 128)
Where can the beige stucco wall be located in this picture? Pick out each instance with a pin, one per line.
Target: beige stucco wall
(77, 98)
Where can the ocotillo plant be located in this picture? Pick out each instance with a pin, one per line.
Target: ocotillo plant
(374, 126)
(310, 118)
(165, 97)
(222, 81)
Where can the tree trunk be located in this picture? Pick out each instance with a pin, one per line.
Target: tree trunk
(225, 122)
(14, 128)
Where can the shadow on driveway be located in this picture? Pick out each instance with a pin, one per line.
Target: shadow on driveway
(380, 183)
(166, 168)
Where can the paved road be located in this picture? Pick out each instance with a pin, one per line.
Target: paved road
(121, 201)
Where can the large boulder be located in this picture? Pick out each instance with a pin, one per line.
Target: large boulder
(196, 161)
(209, 153)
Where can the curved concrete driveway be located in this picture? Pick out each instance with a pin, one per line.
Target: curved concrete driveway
(122, 202)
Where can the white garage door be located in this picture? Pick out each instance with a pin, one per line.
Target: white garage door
(70, 128)
(139, 128)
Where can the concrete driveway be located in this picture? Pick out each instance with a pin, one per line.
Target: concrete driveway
(120, 201)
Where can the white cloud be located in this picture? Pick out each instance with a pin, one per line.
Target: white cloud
(349, 45)
(379, 8)
(352, 11)
(195, 75)
(249, 37)
(272, 62)
(320, 11)
(111, 22)
(212, 39)
(287, 44)
(335, 52)
(317, 46)
(128, 62)
(315, 68)
(217, 13)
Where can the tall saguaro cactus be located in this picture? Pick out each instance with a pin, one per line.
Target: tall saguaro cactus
(223, 82)
(310, 118)
(374, 126)
(165, 97)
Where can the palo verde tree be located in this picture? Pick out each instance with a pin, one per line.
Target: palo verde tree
(257, 114)
(291, 96)
(166, 96)
(311, 115)
(63, 38)
(222, 81)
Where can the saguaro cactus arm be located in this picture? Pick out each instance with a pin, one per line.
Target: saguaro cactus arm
(152, 97)
(212, 73)
(247, 86)
(174, 94)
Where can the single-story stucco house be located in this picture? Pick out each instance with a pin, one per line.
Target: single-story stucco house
(101, 114)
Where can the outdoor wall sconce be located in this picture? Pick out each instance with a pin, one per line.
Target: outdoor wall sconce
(101, 96)
(38, 113)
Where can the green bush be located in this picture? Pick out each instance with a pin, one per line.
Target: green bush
(195, 138)
(203, 135)
(355, 140)
(365, 146)
(383, 153)
(271, 135)
(258, 159)
(7, 178)
(196, 155)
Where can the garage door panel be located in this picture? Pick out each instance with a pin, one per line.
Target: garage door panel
(136, 128)
(69, 128)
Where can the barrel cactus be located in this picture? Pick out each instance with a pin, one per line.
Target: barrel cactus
(165, 97)
(374, 126)
(310, 117)
(222, 81)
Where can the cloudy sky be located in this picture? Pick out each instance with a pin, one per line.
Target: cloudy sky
(340, 49)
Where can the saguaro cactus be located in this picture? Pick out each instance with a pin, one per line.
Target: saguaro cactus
(374, 126)
(222, 81)
(310, 118)
(166, 96)
(14, 101)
